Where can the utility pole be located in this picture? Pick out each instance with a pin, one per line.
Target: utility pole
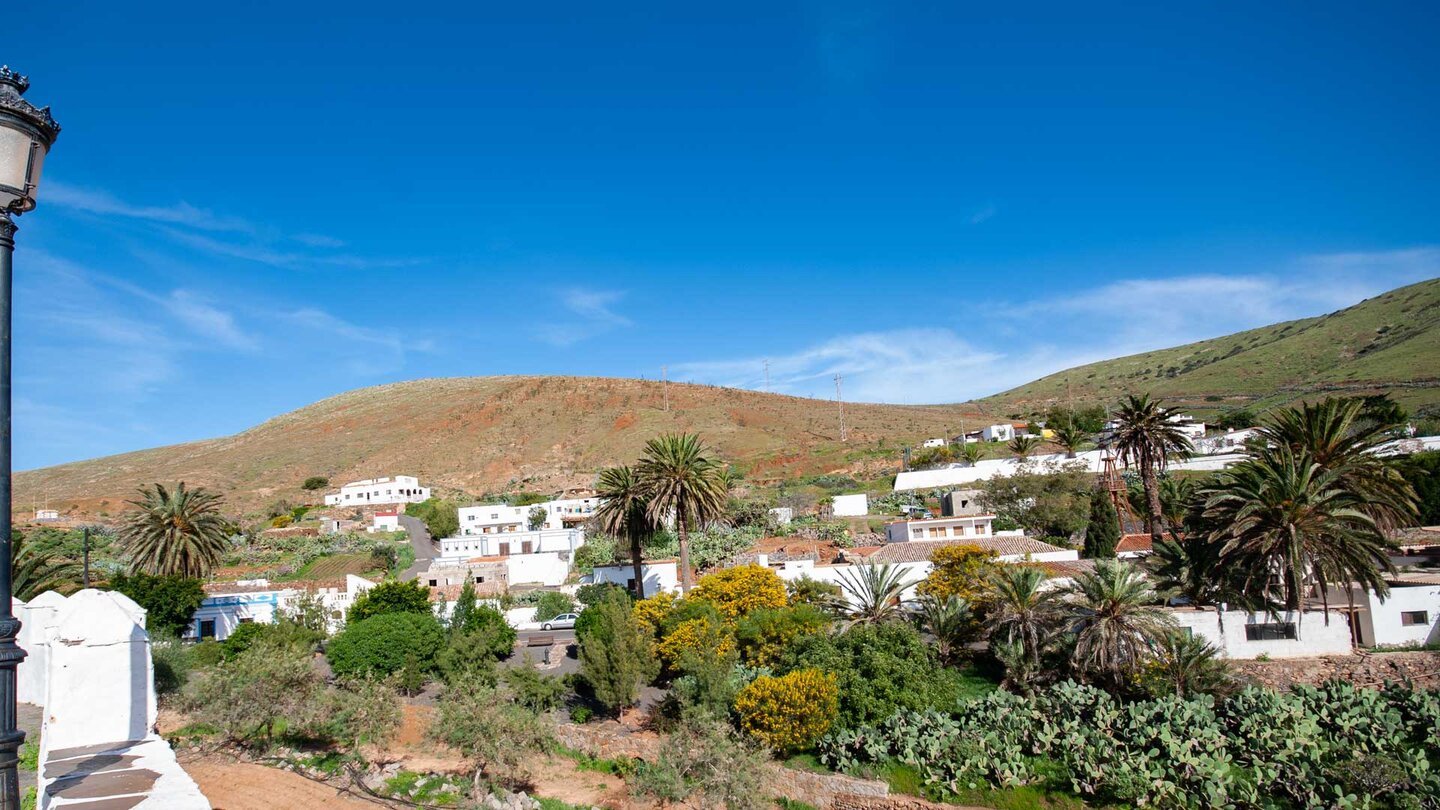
(840, 405)
(665, 387)
(85, 544)
(767, 376)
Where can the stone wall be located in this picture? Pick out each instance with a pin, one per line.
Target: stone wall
(1369, 669)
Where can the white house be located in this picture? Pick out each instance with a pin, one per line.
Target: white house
(1188, 426)
(45, 515)
(379, 491)
(782, 515)
(998, 433)
(941, 528)
(1244, 635)
(1228, 442)
(850, 505)
(499, 518)
(228, 605)
(660, 576)
(1409, 615)
(386, 521)
(540, 557)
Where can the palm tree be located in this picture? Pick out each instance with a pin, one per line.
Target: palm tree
(1177, 500)
(1337, 439)
(682, 482)
(1190, 665)
(1022, 611)
(875, 593)
(37, 567)
(949, 619)
(623, 514)
(1114, 615)
(1023, 446)
(1071, 437)
(1146, 438)
(179, 531)
(972, 453)
(1282, 513)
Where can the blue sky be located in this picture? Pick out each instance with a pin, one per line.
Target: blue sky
(254, 206)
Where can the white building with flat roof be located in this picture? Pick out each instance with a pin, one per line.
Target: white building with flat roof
(379, 491)
(960, 527)
(559, 514)
(228, 605)
(660, 576)
(855, 505)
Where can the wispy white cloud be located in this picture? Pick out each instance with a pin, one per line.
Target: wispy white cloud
(591, 312)
(984, 213)
(95, 201)
(206, 231)
(362, 350)
(207, 320)
(997, 348)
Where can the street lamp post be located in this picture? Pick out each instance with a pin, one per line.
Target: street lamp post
(26, 134)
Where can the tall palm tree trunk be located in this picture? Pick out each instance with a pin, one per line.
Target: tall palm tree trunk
(639, 563)
(1153, 519)
(686, 578)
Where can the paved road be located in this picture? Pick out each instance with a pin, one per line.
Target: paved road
(426, 549)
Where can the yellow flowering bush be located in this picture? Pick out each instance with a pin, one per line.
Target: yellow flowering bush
(737, 591)
(700, 636)
(789, 713)
(651, 613)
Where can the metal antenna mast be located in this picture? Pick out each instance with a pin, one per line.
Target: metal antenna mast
(767, 376)
(840, 405)
(665, 387)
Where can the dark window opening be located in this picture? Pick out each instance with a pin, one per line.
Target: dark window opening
(1412, 618)
(1274, 631)
(207, 628)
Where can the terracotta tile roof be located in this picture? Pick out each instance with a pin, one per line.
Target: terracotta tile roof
(1139, 541)
(1065, 569)
(1414, 578)
(920, 550)
(1418, 537)
(227, 588)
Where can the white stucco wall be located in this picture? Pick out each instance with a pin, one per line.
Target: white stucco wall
(659, 576)
(959, 475)
(490, 545)
(850, 505)
(1315, 636)
(1387, 627)
(36, 619)
(544, 569)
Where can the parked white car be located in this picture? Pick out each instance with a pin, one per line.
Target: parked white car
(565, 621)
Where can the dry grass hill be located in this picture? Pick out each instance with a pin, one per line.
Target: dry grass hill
(497, 434)
(1389, 343)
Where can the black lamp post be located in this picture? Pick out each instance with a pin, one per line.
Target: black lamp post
(26, 134)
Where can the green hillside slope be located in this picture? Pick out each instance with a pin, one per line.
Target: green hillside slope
(1388, 343)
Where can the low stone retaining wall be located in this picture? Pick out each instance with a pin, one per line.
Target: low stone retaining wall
(1367, 669)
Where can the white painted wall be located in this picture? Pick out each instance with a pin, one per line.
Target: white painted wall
(782, 515)
(36, 619)
(1315, 636)
(386, 523)
(498, 518)
(1383, 623)
(659, 576)
(850, 505)
(951, 528)
(959, 475)
(544, 569)
(263, 607)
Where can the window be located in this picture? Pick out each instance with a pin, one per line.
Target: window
(526, 547)
(1271, 631)
(1413, 618)
(504, 549)
(207, 628)
(246, 620)
(434, 582)
(479, 580)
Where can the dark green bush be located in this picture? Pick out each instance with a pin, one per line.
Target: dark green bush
(551, 604)
(315, 482)
(170, 602)
(390, 597)
(381, 644)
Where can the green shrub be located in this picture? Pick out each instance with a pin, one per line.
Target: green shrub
(266, 691)
(880, 669)
(241, 638)
(380, 644)
(170, 659)
(617, 657)
(534, 689)
(315, 482)
(594, 594)
(763, 636)
(551, 604)
(206, 654)
(581, 714)
(1307, 748)
(170, 602)
(390, 597)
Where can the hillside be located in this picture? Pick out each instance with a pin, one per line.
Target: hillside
(496, 434)
(1387, 343)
